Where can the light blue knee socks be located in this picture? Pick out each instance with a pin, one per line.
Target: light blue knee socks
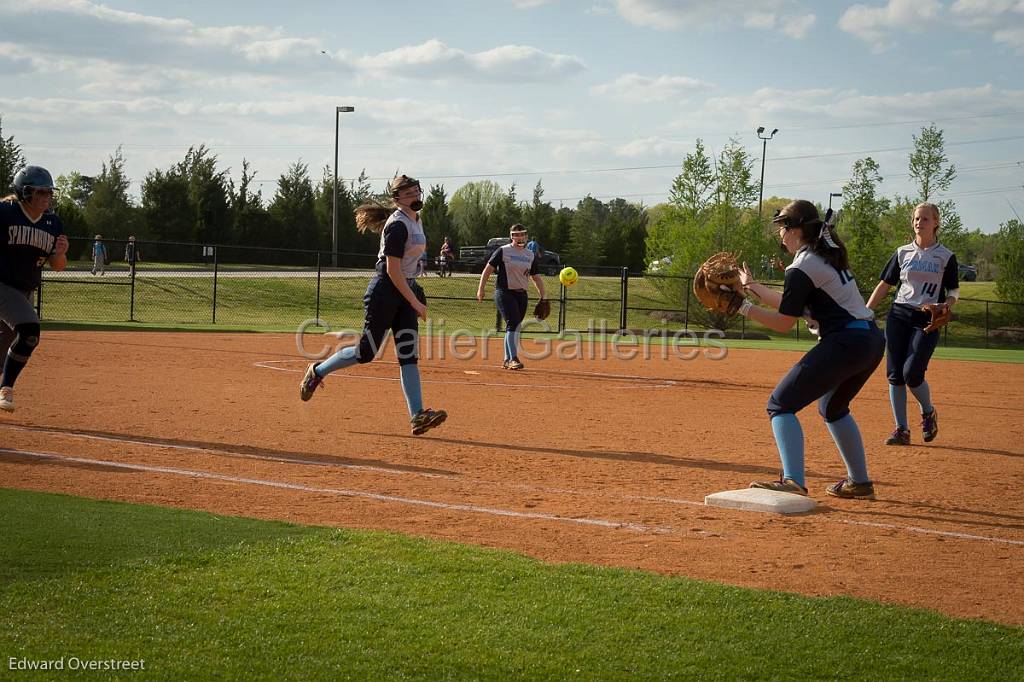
(789, 437)
(511, 344)
(851, 447)
(898, 400)
(924, 396)
(411, 388)
(346, 357)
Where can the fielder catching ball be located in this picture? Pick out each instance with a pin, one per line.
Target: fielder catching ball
(819, 287)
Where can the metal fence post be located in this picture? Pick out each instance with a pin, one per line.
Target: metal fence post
(624, 299)
(215, 285)
(39, 300)
(131, 295)
(986, 324)
(686, 306)
(562, 301)
(318, 284)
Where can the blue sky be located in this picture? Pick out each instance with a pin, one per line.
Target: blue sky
(591, 97)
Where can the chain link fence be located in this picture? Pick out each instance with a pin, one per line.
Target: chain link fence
(235, 287)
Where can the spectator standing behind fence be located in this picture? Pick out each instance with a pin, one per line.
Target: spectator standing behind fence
(393, 301)
(534, 246)
(515, 265)
(445, 259)
(30, 236)
(132, 251)
(926, 272)
(99, 255)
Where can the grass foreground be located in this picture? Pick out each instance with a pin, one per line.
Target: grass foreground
(199, 596)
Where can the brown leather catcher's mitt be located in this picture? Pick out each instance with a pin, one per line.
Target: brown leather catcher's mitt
(716, 282)
(542, 309)
(941, 315)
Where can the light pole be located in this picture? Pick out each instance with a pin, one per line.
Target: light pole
(764, 152)
(830, 195)
(334, 212)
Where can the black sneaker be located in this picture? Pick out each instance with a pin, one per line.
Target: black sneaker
(899, 437)
(930, 425)
(427, 419)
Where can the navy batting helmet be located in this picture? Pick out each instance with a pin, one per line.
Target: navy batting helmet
(29, 178)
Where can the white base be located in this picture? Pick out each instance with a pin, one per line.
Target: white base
(760, 500)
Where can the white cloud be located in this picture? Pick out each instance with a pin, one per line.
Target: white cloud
(875, 24)
(436, 61)
(530, 4)
(799, 27)
(762, 20)
(633, 87)
(1004, 18)
(818, 107)
(652, 148)
(669, 15)
(87, 30)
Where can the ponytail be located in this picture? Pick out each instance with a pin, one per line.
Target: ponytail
(371, 217)
(828, 245)
(821, 237)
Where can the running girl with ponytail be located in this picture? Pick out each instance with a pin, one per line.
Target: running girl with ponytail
(393, 301)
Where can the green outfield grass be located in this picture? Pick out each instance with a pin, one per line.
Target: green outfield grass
(198, 596)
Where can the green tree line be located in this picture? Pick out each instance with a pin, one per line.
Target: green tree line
(196, 200)
(713, 206)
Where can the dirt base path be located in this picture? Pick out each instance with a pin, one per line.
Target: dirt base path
(602, 461)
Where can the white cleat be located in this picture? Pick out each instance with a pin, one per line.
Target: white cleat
(7, 399)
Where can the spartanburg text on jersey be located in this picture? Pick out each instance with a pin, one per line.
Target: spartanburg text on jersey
(25, 245)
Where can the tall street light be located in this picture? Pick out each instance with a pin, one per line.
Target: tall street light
(830, 195)
(334, 213)
(764, 152)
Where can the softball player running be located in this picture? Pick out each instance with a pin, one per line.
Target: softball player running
(820, 288)
(926, 272)
(393, 301)
(30, 236)
(515, 265)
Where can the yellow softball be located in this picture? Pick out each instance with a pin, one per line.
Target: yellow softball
(568, 276)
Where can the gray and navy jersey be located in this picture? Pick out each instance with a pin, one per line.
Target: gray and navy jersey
(827, 297)
(25, 245)
(515, 266)
(924, 275)
(402, 238)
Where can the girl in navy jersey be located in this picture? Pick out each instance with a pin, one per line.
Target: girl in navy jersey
(516, 265)
(820, 288)
(30, 236)
(392, 302)
(926, 272)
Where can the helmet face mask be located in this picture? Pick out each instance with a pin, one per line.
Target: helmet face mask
(403, 183)
(32, 180)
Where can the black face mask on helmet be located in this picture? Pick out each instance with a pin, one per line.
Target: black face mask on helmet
(404, 183)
